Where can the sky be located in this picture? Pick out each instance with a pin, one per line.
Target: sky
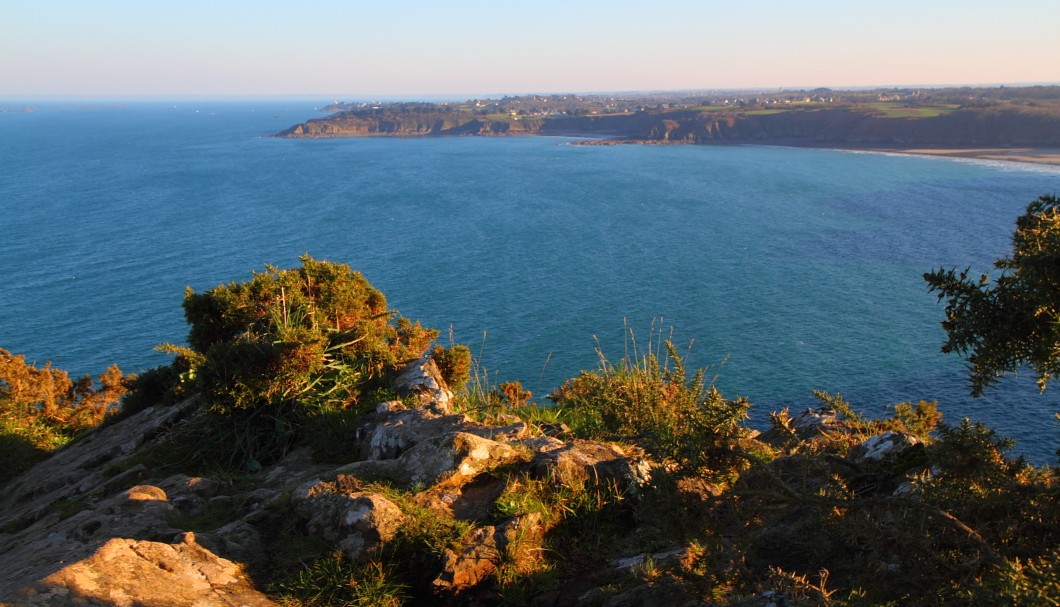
(349, 49)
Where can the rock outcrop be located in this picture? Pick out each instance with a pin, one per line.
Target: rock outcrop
(355, 522)
(95, 525)
(137, 572)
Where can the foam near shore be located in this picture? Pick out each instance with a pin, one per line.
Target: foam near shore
(1050, 156)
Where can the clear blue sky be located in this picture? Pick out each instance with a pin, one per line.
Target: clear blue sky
(354, 49)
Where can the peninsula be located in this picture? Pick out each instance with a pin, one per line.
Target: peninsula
(1003, 123)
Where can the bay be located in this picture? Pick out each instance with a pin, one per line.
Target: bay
(787, 270)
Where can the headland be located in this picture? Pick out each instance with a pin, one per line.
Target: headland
(1008, 124)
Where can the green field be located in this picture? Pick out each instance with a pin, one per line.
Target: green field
(765, 112)
(896, 110)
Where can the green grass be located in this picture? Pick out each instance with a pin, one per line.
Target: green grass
(26, 441)
(896, 110)
(334, 581)
(765, 112)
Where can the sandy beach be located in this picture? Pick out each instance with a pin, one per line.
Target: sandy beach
(1050, 156)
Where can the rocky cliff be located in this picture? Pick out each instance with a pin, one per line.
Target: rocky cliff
(409, 124)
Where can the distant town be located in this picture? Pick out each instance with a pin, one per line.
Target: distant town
(890, 101)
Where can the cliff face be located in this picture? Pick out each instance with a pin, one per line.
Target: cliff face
(968, 127)
(411, 125)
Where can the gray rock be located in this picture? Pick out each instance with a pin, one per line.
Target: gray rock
(542, 444)
(450, 460)
(92, 465)
(591, 461)
(889, 445)
(813, 422)
(388, 435)
(422, 380)
(238, 540)
(667, 558)
(355, 522)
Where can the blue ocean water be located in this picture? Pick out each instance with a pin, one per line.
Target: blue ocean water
(786, 270)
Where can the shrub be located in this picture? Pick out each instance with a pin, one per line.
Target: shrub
(952, 522)
(1012, 322)
(655, 403)
(271, 355)
(314, 336)
(454, 363)
(43, 409)
(158, 386)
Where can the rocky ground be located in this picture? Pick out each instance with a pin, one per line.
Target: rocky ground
(92, 526)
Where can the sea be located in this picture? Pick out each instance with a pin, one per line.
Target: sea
(780, 270)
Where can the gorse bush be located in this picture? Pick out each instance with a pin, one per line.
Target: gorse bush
(49, 395)
(1013, 506)
(454, 363)
(270, 355)
(43, 409)
(312, 336)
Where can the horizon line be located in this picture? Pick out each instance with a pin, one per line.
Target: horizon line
(70, 97)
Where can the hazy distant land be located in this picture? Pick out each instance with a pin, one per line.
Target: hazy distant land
(1003, 123)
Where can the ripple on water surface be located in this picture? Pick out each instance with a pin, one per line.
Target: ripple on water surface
(803, 267)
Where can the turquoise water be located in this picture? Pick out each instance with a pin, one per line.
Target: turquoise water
(801, 267)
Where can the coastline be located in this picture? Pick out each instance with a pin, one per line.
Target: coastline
(1023, 155)
(1041, 156)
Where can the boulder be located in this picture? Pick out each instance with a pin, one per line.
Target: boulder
(394, 430)
(355, 522)
(73, 529)
(239, 540)
(127, 572)
(94, 465)
(471, 502)
(422, 380)
(449, 460)
(590, 461)
(814, 422)
(68, 507)
(887, 446)
(666, 558)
